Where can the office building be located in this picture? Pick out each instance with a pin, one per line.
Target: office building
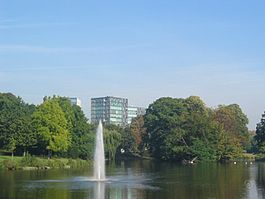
(111, 110)
(134, 112)
(141, 111)
(75, 101)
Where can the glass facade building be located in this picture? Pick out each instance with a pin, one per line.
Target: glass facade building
(75, 101)
(114, 110)
(111, 110)
(134, 112)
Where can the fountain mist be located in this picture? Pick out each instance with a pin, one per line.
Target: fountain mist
(99, 156)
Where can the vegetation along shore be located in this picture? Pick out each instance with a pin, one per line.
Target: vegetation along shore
(56, 134)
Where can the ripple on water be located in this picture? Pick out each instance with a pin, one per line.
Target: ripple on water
(81, 182)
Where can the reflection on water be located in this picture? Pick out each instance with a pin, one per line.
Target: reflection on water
(99, 190)
(141, 180)
(260, 180)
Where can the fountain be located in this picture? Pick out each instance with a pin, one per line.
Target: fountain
(99, 155)
(122, 185)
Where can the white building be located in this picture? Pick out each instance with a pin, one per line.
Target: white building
(75, 101)
(134, 112)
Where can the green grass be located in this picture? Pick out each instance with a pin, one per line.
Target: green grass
(15, 158)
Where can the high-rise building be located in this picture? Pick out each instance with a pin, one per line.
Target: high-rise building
(134, 112)
(111, 110)
(141, 111)
(75, 101)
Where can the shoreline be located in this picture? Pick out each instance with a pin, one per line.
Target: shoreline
(38, 163)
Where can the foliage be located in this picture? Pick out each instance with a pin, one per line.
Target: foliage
(260, 135)
(234, 122)
(185, 128)
(128, 142)
(15, 128)
(138, 131)
(10, 164)
(83, 136)
(50, 125)
(172, 129)
(66, 107)
(112, 140)
(32, 161)
(173, 125)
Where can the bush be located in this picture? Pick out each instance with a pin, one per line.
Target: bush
(28, 161)
(78, 163)
(10, 164)
(56, 163)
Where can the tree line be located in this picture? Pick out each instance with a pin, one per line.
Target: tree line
(171, 129)
(183, 129)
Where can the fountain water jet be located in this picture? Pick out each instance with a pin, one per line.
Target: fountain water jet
(99, 155)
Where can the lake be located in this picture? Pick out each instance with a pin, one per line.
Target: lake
(140, 179)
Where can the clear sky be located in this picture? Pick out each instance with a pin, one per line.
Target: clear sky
(139, 49)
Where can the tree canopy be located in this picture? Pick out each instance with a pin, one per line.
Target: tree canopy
(171, 129)
(51, 127)
(15, 128)
(185, 128)
(260, 135)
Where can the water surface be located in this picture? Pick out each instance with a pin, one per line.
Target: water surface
(141, 180)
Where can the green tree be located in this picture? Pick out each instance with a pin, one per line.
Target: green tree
(27, 138)
(128, 143)
(112, 140)
(185, 128)
(51, 126)
(234, 123)
(67, 108)
(15, 128)
(164, 122)
(83, 136)
(260, 135)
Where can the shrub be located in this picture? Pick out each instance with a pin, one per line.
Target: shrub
(28, 161)
(10, 164)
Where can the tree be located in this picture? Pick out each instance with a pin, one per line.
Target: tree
(82, 136)
(260, 135)
(50, 125)
(27, 138)
(112, 140)
(15, 128)
(128, 143)
(233, 120)
(234, 123)
(67, 108)
(138, 131)
(164, 121)
(185, 128)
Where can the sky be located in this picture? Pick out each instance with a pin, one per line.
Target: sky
(141, 50)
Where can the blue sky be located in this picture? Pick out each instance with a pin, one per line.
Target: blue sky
(137, 49)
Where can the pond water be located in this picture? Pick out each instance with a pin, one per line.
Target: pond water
(141, 180)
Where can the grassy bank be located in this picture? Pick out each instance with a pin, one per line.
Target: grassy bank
(31, 163)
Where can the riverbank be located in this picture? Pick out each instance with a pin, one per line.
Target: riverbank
(35, 163)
